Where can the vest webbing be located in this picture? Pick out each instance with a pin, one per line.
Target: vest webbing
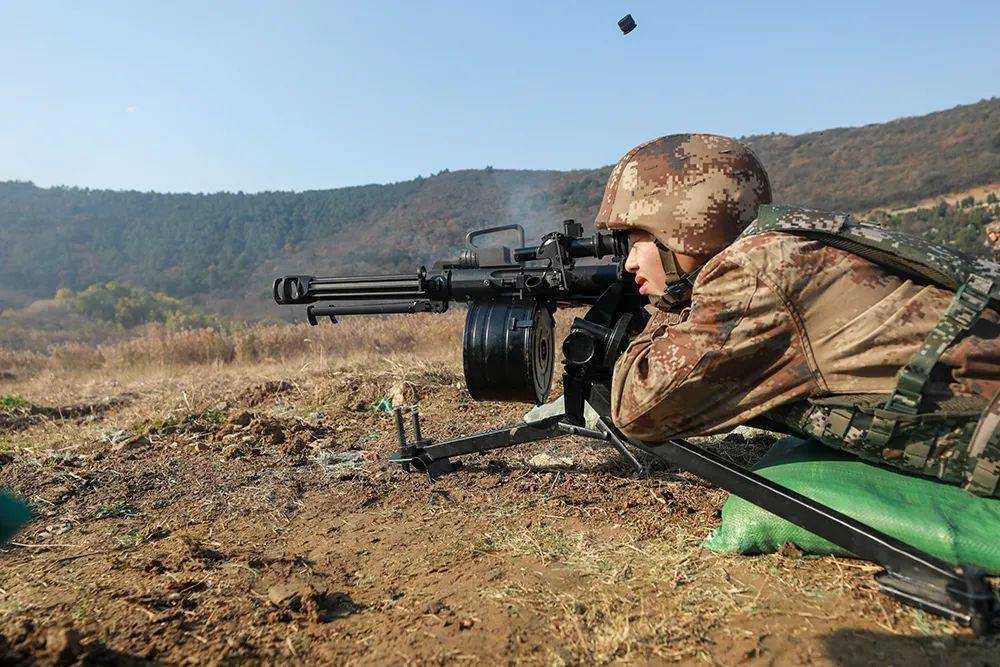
(843, 421)
(976, 283)
(984, 453)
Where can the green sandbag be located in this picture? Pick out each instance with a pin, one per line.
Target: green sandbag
(13, 514)
(938, 518)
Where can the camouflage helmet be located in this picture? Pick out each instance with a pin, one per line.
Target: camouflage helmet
(694, 193)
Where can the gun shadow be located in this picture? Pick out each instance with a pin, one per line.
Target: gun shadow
(849, 647)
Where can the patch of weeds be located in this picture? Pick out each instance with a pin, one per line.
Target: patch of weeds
(157, 424)
(80, 611)
(56, 459)
(141, 536)
(367, 438)
(601, 626)
(11, 402)
(10, 606)
(116, 511)
(487, 544)
(929, 625)
(173, 421)
(114, 436)
(554, 544)
(215, 416)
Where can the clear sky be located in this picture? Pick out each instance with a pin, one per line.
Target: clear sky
(203, 96)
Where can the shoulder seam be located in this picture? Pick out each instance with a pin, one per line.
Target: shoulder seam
(786, 302)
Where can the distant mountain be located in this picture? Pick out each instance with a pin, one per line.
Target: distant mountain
(886, 164)
(223, 248)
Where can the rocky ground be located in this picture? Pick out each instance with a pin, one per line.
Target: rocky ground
(232, 515)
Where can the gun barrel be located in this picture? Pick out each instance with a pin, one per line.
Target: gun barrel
(422, 293)
(309, 289)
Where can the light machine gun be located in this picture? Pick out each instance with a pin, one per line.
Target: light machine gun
(508, 355)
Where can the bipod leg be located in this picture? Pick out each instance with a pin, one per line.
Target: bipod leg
(435, 459)
(912, 576)
(605, 433)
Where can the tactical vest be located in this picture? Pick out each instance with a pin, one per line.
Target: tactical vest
(956, 440)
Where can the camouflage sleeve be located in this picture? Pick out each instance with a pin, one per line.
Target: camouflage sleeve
(736, 355)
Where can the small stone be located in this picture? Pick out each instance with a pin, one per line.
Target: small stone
(291, 594)
(437, 608)
(136, 442)
(548, 461)
(281, 594)
(342, 465)
(232, 451)
(790, 550)
(293, 448)
(242, 419)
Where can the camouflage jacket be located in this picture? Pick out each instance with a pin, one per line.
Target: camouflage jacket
(777, 318)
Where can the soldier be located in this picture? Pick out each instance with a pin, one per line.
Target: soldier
(792, 329)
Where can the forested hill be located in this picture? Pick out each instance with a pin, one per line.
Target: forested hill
(227, 246)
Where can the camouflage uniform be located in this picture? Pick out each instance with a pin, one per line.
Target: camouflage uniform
(780, 323)
(777, 318)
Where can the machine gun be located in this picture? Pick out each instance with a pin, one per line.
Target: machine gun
(509, 354)
(508, 346)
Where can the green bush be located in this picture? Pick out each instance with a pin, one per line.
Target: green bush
(956, 226)
(129, 307)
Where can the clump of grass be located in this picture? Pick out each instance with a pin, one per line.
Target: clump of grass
(11, 402)
(141, 536)
(215, 416)
(115, 511)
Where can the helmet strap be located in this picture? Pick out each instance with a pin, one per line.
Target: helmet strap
(678, 288)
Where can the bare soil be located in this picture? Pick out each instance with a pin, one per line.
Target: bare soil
(248, 516)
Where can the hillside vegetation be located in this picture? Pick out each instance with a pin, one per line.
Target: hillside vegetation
(964, 225)
(225, 247)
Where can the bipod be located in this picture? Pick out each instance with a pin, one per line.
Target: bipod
(436, 459)
(913, 577)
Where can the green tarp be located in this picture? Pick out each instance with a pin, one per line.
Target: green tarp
(938, 518)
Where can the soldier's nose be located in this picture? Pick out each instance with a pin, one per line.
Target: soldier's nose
(631, 262)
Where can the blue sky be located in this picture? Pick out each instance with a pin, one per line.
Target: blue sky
(251, 96)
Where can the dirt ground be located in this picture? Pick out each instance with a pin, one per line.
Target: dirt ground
(235, 515)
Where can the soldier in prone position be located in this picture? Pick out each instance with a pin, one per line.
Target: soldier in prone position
(752, 322)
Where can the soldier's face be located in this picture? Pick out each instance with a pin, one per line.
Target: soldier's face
(644, 261)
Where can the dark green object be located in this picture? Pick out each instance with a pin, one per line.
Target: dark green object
(938, 518)
(14, 513)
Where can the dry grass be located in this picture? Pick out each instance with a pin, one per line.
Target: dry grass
(605, 619)
(427, 336)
